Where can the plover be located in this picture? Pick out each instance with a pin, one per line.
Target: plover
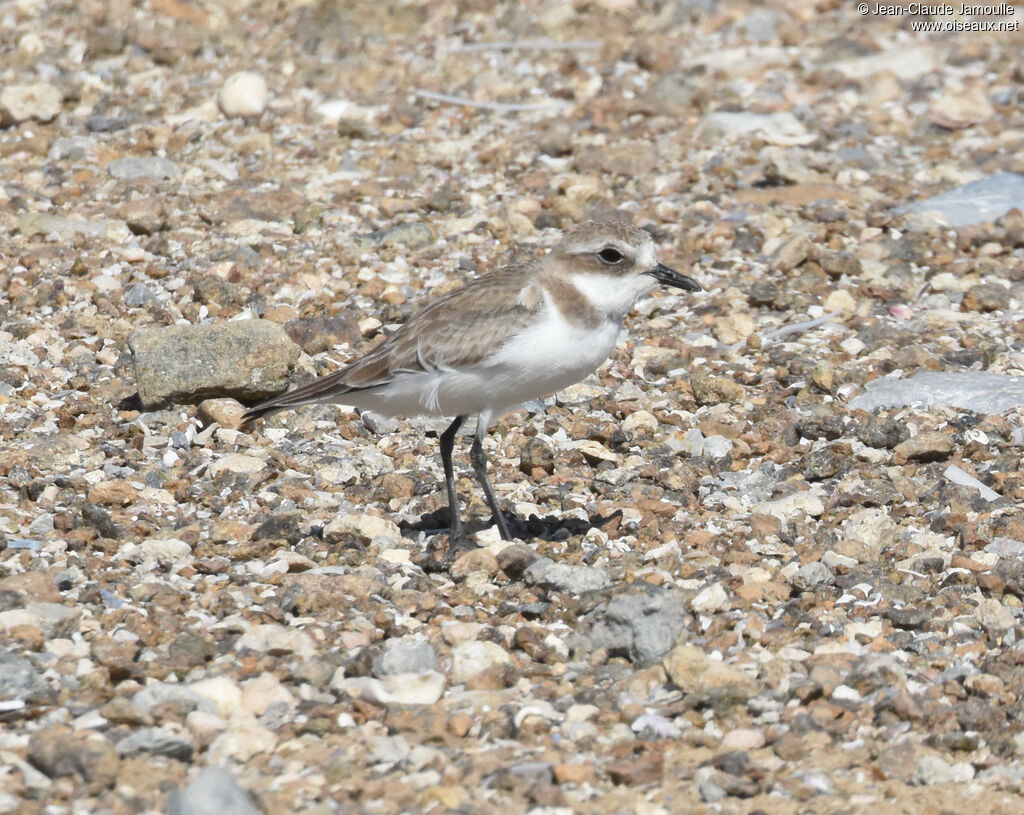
(522, 332)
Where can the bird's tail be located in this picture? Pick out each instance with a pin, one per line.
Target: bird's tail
(322, 389)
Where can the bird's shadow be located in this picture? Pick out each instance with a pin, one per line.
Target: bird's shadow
(442, 549)
(548, 528)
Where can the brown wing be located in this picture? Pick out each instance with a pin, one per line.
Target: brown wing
(460, 328)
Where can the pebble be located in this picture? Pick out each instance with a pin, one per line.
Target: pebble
(643, 622)
(929, 445)
(245, 359)
(243, 93)
(241, 742)
(472, 658)
(933, 769)
(276, 639)
(693, 671)
(781, 128)
(60, 754)
(39, 101)
(236, 463)
(711, 599)
(363, 528)
(213, 791)
(424, 688)
(165, 551)
(975, 202)
(222, 691)
(155, 167)
(168, 740)
(404, 657)
(565, 577)
(19, 679)
(812, 576)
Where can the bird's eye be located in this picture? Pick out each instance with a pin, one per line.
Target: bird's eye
(610, 256)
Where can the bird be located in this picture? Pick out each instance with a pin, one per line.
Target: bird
(504, 338)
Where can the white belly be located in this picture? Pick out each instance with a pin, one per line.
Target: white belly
(549, 356)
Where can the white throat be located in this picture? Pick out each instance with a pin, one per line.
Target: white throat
(612, 295)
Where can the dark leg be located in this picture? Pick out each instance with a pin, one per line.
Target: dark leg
(447, 444)
(479, 459)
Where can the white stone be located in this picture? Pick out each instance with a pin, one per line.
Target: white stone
(241, 742)
(872, 527)
(40, 101)
(265, 690)
(277, 639)
(165, 551)
(744, 738)
(243, 94)
(994, 616)
(236, 463)
(223, 691)
(792, 505)
(852, 346)
(424, 688)
(711, 599)
(470, 658)
(366, 528)
(639, 418)
(716, 447)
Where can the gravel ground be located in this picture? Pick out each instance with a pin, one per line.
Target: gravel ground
(735, 590)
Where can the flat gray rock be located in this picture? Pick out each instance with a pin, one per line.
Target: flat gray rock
(243, 359)
(643, 623)
(977, 202)
(20, 680)
(404, 657)
(144, 167)
(213, 792)
(565, 577)
(977, 391)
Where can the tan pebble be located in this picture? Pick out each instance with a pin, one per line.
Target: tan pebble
(460, 723)
(225, 412)
(573, 773)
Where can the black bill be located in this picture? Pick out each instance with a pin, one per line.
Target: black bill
(670, 277)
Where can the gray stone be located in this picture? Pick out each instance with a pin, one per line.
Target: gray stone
(157, 741)
(138, 295)
(73, 148)
(1006, 547)
(933, 769)
(20, 680)
(811, 576)
(214, 791)
(979, 391)
(379, 423)
(781, 127)
(414, 235)
(133, 167)
(759, 24)
(977, 202)
(404, 657)
(243, 359)
(565, 577)
(66, 228)
(642, 623)
(157, 693)
(106, 124)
